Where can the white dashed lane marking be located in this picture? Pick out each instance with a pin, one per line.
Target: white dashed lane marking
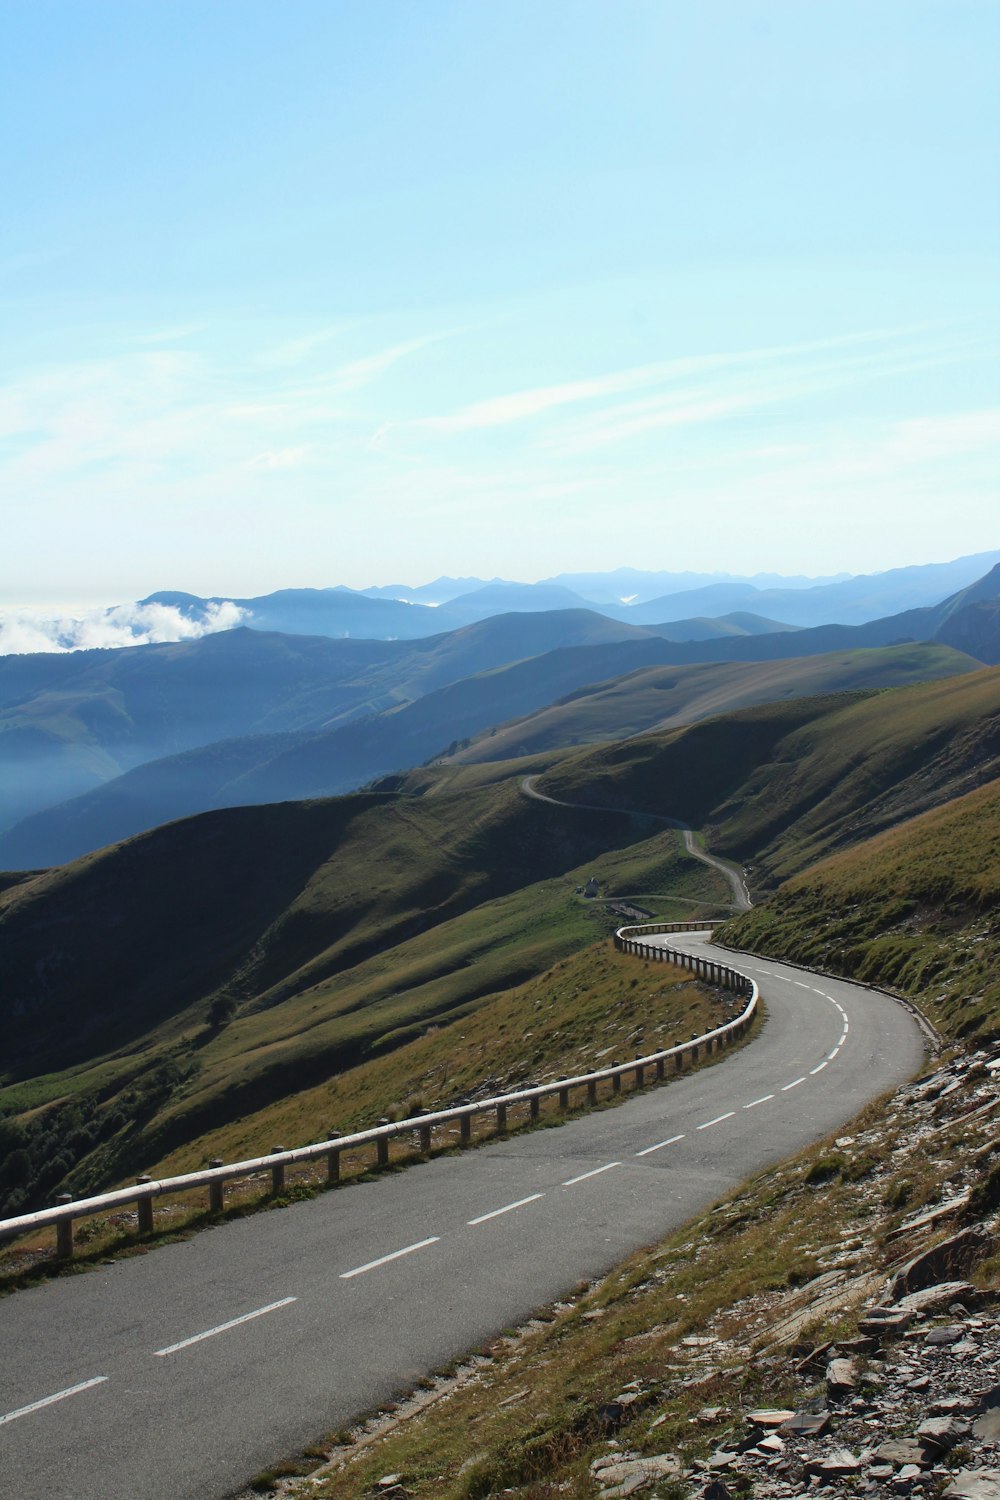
(71, 1390)
(660, 1145)
(595, 1173)
(507, 1208)
(384, 1260)
(718, 1120)
(762, 1100)
(210, 1333)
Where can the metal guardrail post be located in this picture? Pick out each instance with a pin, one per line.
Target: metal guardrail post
(424, 1135)
(564, 1098)
(534, 1107)
(64, 1231)
(616, 1079)
(640, 1073)
(216, 1190)
(277, 1173)
(333, 1161)
(465, 1129)
(145, 1208)
(592, 1091)
(382, 1145)
(501, 1119)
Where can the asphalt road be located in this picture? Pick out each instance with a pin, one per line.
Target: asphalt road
(180, 1374)
(731, 873)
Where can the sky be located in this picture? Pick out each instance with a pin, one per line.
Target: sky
(329, 291)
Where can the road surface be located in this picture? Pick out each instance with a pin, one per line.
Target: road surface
(180, 1374)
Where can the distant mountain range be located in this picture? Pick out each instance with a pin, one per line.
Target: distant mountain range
(99, 745)
(629, 595)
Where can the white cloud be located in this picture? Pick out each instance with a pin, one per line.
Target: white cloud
(21, 631)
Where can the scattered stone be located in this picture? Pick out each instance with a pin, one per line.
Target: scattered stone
(900, 1451)
(806, 1423)
(716, 1491)
(939, 1433)
(628, 1476)
(987, 1427)
(832, 1465)
(388, 1481)
(885, 1322)
(710, 1414)
(975, 1484)
(947, 1333)
(841, 1377)
(768, 1418)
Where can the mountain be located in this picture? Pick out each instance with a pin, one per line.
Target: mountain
(70, 723)
(324, 762)
(654, 698)
(406, 613)
(851, 601)
(786, 784)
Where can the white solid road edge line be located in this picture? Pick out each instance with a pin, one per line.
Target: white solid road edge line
(383, 1260)
(718, 1120)
(71, 1390)
(660, 1145)
(507, 1208)
(572, 1181)
(210, 1333)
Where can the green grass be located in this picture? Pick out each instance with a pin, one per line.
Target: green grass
(666, 697)
(915, 908)
(319, 935)
(785, 784)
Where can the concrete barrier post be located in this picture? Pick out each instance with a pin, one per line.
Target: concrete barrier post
(216, 1190)
(277, 1173)
(64, 1231)
(145, 1208)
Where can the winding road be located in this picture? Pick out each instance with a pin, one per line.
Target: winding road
(732, 873)
(179, 1374)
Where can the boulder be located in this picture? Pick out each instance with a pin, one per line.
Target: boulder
(950, 1257)
(975, 1484)
(629, 1476)
(933, 1298)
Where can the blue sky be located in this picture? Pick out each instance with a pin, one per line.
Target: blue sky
(307, 293)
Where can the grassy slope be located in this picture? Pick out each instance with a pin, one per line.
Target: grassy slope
(915, 908)
(785, 784)
(666, 697)
(336, 931)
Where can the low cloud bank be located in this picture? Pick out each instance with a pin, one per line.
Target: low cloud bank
(123, 625)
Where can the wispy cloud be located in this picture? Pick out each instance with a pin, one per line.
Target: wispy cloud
(692, 390)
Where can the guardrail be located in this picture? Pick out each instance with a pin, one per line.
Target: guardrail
(422, 1125)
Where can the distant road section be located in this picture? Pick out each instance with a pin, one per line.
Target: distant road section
(732, 873)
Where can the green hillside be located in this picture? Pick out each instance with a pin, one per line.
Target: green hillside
(785, 784)
(176, 982)
(917, 909)
(666, 697)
